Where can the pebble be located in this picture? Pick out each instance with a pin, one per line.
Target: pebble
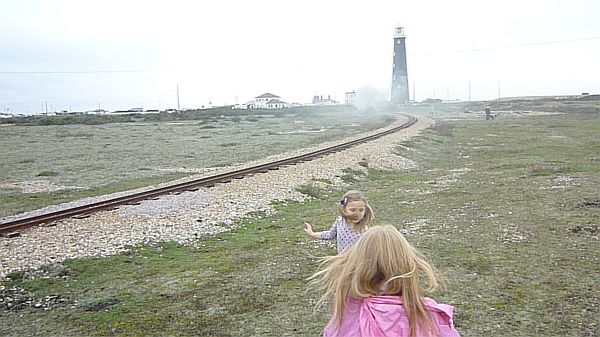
(186, 216)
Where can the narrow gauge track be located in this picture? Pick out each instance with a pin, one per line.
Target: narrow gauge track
(12, 227)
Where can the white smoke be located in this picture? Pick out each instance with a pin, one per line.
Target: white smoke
(368, 97)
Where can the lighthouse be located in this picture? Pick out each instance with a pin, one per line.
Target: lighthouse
(399, 73)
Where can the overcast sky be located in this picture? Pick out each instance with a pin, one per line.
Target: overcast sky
(121, 54)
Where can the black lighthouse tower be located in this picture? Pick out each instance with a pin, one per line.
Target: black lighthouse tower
(399, 73)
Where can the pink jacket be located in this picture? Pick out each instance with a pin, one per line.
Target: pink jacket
(384, 316)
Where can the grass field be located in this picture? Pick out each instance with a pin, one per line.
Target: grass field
(508, 211)
(50, 164)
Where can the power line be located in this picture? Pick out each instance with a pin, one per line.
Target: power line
(83, 72)
(530, 44)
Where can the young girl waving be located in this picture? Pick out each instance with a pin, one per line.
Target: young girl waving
(355, 217)
(374, 290)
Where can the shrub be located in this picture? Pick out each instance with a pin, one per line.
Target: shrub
(47, 174)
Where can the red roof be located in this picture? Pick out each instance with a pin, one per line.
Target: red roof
(267, 95)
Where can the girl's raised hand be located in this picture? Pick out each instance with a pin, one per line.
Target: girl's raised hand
(308, 228)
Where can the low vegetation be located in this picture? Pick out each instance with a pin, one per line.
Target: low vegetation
(47, 164)
(508, 210)
(163, 116)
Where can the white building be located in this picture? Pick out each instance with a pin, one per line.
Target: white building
(247, 105)
(264, 101)
(268, 101)
(320, 100)
(350, 98)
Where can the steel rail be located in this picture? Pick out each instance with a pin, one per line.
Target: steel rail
(12, 227)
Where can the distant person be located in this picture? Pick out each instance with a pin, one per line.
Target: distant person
(374, 290)
(488, 114)
(354, 220)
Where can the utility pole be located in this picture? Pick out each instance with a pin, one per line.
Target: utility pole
(469, 91)
(46, 107)
(498, 89)
(178, 106)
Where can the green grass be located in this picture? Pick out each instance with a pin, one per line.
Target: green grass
(102, 158)
(14, 202)
(507, 211)
(351, 176)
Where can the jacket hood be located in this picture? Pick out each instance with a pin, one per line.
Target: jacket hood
(385, 316)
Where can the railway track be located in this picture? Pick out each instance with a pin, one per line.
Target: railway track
(12, 228)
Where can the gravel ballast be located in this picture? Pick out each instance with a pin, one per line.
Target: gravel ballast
(185, 217)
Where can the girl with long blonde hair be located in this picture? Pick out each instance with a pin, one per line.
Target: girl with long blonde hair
(375, 290)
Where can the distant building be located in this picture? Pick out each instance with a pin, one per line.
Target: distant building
(350, 98)
(319, 100)
(589, 97)
(93, 112)
(276, 104)
(264, 101)
(267, 101)
(247, 105)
